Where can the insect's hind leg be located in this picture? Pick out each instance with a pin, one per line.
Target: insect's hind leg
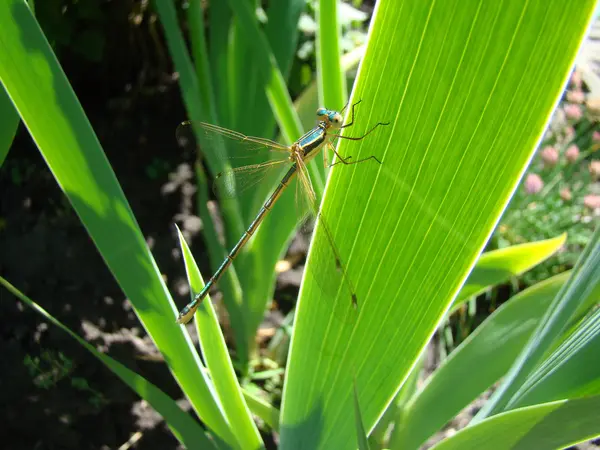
(346, 161)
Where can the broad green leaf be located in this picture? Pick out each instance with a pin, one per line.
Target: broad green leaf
(8, 124)
(218, 362)
(498, 266)
(551, 425)
(51, 112)
(467, 89)
(183, 426)
(491, 348)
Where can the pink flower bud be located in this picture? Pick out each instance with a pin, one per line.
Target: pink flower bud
(569, 132)
(533, 183)
(595, 169)
(596, 136)
(550, 156)
(576, 96)
(573, 111)
(576, 79)
(572, 153)
(565, 194)
(591, 201)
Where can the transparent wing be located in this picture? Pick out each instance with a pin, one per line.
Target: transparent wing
(252, 160)
(186, 132)
(306, 199)
(233, 182)
(327, 268)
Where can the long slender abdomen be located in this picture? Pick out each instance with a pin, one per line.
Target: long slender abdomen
(187, 313)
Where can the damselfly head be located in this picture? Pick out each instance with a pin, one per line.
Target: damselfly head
(329, 117)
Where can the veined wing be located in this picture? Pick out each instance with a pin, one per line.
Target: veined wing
(232, 182)
(250, 160)
(188, 130)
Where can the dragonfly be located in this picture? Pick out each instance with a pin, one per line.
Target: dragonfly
(328, 128)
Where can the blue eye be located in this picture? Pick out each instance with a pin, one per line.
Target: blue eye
(332, 115)
(321, 112)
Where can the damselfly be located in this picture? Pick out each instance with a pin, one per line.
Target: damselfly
(298, 155)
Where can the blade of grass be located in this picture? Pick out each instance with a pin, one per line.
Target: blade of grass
(219, 16)
(281, 32)
(551, 425)
(229, 282)
(585, 278)
(332, 82)
(195, 20)
(217, 360)
(571, 370)
(262, 409)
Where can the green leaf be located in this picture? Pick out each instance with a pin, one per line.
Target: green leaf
(551, 425)
(455, 384)
(467, 89)
(279, 98)
(262, 409)
(331, 79)
(498, 266)
(584, 281)
(8, 124)
(183, 426)
(216, 357)
(571, 370)
(281, 32)
(361, 433)
(219, 27)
